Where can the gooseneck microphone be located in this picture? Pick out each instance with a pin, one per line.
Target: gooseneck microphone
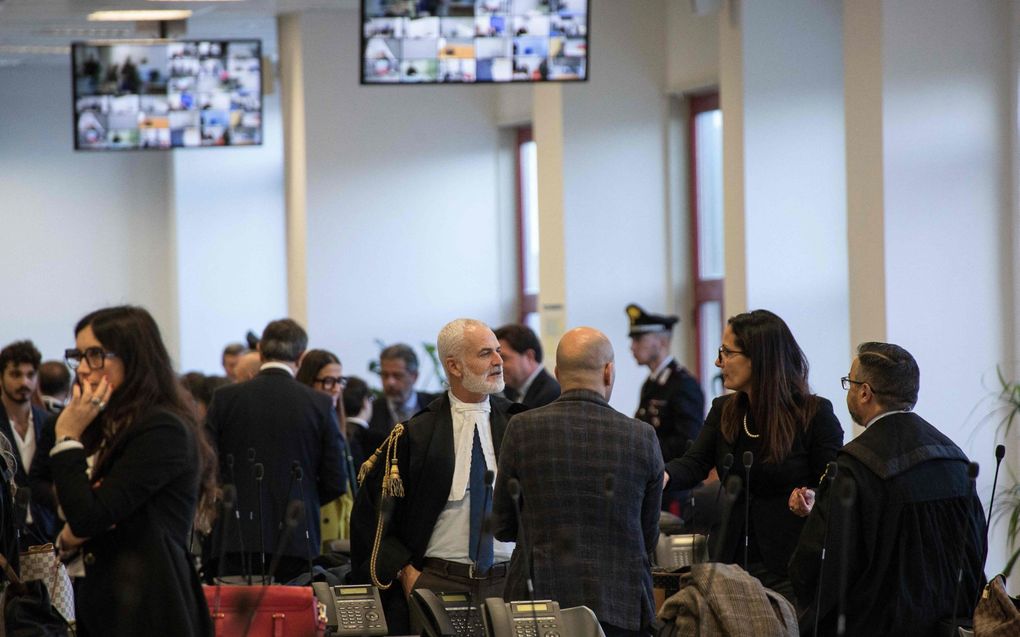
(847, 492)
(490, 476)
(972, 474)
(831, 471)
(299, 474)
(513, 486)
(748, 461)
(228, 499)
(295, 511)
(732, 491)
(727, 464)
(260, 472)
(1000, 453)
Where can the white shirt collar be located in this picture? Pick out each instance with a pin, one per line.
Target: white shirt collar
(883, 415)
(466, 416)
(353, 420)
(527, 383)
(275, 365)
(662, 366)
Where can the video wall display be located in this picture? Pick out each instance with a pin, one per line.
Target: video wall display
(183, 94)
(440, 41)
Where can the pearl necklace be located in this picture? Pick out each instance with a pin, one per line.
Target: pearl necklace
(748, 431)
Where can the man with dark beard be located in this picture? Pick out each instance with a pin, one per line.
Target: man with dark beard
(24, 426)
(433, 496)
(915, 521)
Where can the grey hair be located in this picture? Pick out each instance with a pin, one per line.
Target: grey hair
(450, 342)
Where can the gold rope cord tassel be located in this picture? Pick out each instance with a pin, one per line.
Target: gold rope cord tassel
(392, 486)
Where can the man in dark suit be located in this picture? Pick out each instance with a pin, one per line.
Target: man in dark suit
(527, 382)
(914, 523)
(590, 483)
(434, 538)
(24, 425)
(398, 368)
(292, 431)
(671, 398)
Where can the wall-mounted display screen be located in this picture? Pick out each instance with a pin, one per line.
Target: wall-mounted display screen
(162, 95)
(439, 41)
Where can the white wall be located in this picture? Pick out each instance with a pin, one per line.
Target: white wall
(404, 228)
(794, 167)
(78, 230)
(947, 128)
(230, 254)
(615, 218)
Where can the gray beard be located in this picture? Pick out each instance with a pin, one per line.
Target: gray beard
(478, 384)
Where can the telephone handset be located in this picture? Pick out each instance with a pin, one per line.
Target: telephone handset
(540, 618)
(352, 610)
(446, 614)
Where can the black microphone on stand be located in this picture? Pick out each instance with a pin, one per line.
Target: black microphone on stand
(847, 493)
(727, 464)
(690, 499)
(250, 569)
(1000, 453)
(299, 474)
(831, 471)
(972, 474)
(732, 491)
(748, 461)
(260, 471)
(483, 528)
(514, 488)
(228, 499)
(295, 511)
(237, 515)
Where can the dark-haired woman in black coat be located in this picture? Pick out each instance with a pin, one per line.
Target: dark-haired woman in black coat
(130, 515)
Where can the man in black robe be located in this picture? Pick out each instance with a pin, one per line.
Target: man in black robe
(913, 522)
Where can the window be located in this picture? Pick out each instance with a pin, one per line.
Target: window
(527, 229)
(704, 140)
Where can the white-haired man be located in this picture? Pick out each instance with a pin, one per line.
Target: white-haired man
(434, 536)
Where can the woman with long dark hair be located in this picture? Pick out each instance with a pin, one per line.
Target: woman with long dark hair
(321, 370)
(131, 514)
(791, 433)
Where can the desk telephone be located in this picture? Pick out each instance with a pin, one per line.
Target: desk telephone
(453, 615)
(352, 611)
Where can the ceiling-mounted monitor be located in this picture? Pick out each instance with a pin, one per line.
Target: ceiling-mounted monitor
(473, 41)
(167, 94)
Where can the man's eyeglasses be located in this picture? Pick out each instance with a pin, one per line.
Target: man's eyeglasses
(846, 381)
(329, 382)
(726, 353)
(96, 357)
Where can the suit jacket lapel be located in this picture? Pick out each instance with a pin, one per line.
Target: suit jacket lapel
(440, 453)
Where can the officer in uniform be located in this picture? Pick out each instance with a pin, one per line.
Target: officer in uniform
(671, 399)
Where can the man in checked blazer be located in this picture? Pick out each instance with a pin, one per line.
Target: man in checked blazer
(590, 485)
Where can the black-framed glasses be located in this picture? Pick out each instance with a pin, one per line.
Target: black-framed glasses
(846, 381)
(95, 356)
(725, 353)
(329, 382)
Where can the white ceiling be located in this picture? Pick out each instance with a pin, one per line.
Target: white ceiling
(34, 32)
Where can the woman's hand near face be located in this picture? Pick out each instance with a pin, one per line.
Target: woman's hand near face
(82, 409)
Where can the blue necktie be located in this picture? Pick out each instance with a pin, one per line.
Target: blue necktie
(481, 505)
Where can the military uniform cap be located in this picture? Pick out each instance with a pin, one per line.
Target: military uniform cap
(642, 322)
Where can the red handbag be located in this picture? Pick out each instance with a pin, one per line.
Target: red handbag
(265, 611)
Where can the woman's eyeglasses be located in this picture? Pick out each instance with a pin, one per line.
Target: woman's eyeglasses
(96, 357)
(329, 382)
(726, 354)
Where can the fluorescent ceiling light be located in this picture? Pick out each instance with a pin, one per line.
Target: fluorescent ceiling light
(140, 15)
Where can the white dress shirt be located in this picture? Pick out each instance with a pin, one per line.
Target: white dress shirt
(451, 536)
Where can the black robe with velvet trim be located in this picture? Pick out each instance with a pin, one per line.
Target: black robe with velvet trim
(914, 518)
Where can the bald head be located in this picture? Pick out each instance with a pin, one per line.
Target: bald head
(247, 367)
(584, 360)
